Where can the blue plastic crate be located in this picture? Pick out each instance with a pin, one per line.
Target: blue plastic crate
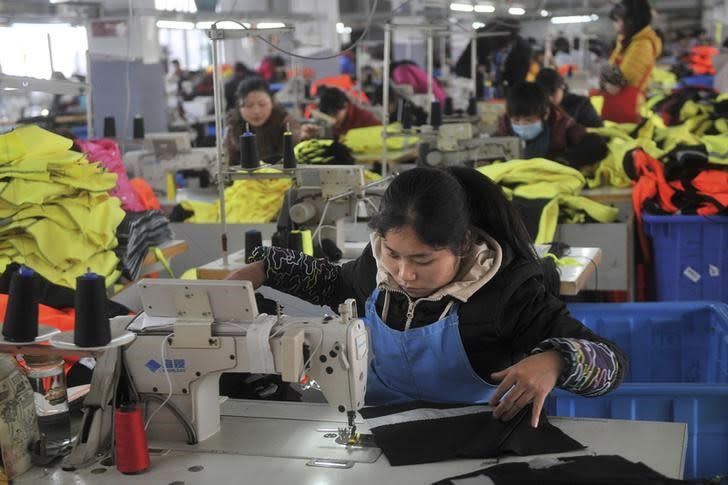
(678, 355)
(690, 256)
(665, 342)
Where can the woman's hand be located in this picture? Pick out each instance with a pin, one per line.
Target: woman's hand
(309, 130)
(254, 272)
(528, 381)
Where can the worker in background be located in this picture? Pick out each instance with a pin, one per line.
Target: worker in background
(547, 130)
(578, 107)
(264, 117)
(454, 299)
(240, 73)
(625, 80)
(347, 115)
(410, 74)
(503, 59)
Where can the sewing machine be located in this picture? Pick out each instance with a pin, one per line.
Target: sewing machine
(324, 196)
(456, 144)
(210, 327)
(169, 153)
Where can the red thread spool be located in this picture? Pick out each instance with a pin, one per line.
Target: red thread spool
(132, 453)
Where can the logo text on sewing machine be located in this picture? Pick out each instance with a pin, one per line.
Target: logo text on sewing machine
(172, 365)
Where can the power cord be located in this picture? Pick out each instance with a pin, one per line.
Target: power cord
(166, 375)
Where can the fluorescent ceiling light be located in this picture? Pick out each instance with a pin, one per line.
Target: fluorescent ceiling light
(270, 25)
(342, 29)
(516, 11)
(223, 25)
(484, 8)
(175, 5)
(544, 13)
(175, 24)
(574, 19)
(461, 7)
(478, 25)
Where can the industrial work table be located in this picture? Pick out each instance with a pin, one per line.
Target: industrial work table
(297, 429)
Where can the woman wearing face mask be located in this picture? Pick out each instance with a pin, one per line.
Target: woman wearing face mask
(546, 129)
(454, 300)
(267, 120)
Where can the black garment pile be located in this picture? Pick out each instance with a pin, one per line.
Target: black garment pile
(421, 432)
(136, 234)
(572, 470)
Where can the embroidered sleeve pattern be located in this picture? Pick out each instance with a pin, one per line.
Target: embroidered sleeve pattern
(591, 368)
(298, 274)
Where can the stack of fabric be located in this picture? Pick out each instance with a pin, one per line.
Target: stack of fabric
(546, 193)
(138, 232)
(56, 215)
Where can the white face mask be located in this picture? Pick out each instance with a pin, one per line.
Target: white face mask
(529, 131)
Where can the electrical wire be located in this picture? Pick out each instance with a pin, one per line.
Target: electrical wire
(169, 381)
(310, 356)
(321, 221)
(310, 58)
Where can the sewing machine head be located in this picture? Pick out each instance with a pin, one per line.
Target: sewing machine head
(197, 330)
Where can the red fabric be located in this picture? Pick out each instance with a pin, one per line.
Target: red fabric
(145, 193)
(622, 107)
(63, 320)
(700, 59)
(356, 117)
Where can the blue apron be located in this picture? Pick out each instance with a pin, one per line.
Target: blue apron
(425, 363)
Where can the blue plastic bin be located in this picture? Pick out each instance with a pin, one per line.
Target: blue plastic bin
(690, 256)
(678, 355)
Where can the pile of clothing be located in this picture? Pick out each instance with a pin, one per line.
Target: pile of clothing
(56, 214)
(137, 233)
(547, 193)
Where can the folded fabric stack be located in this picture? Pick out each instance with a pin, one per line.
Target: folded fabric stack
(56, 215)
(136, 234)
(546, 193)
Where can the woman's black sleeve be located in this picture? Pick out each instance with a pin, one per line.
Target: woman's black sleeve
(317, 280)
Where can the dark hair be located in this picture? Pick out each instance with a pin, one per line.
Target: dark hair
(442, 205)
(241, 68)
(527, 99)
(331, 100)
(636, 15)
(549, 80)
(251, 84)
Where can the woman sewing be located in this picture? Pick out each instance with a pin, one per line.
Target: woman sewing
(454, 299)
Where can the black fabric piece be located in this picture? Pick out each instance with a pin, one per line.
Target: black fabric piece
(572, 470)
(240, 385)
(56, 296)
(685, 162)
(180, 214)
(530, 211)
(477, 435)
(136, 234)
(591, 150)
(582, 110)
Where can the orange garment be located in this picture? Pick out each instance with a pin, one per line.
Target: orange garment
(700, 59)
(145, 193)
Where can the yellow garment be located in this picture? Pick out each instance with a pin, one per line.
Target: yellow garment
(539, 178)
(58, 216)
(717, 146)
(31, 142)
(639, 57)
(362, 140)
(246, 201)
(543, 178)
(662, 80)
(598, 103)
